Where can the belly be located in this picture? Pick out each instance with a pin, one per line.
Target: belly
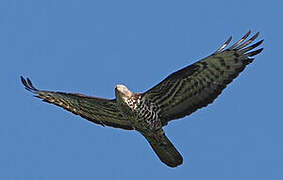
(146, 124)
(143, 118)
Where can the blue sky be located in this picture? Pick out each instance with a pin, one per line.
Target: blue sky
(90, 46)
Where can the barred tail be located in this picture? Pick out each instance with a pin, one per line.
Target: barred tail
(164, 149)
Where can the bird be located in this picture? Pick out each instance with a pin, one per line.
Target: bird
(178, 95)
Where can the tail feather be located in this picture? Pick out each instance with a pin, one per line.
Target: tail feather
(164, 149)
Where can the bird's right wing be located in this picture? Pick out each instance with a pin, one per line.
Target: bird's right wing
(98, 110)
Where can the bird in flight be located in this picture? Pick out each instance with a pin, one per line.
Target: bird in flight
(178, 95)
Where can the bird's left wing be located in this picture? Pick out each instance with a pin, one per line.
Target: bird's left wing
(97, 110)
(197, 85)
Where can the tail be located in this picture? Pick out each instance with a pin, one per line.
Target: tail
(164, 149)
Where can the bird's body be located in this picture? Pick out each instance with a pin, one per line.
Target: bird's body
(144, 117)
(178, 95)
(142, 114)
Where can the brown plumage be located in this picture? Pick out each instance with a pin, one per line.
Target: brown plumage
(178, 95)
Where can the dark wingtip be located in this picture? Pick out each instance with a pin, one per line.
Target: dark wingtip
(23, 80)
(223, 46)
(256, 35)
(253, 53)
(28, 84)
(247, 35)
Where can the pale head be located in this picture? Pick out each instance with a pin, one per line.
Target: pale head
(123, 92)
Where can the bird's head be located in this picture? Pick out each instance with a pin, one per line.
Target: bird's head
(122, 92)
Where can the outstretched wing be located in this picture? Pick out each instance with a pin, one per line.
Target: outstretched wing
(97, 110)
(198, 85)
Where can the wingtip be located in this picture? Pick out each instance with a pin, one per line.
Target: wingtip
(254, 36)
(236, 44)
(224, 45)
(28, 84)
(246, 35)
(253, 53)
(229, 40)
(249, 32)
(23, 80)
